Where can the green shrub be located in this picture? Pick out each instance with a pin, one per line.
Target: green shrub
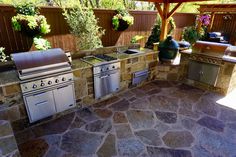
(3, 56)
(124, 15)
(41, 44)
(84, 25)
(191, 34)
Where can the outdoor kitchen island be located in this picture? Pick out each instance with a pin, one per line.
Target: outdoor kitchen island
(96, 116)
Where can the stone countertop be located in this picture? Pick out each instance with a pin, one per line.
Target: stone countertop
(11, 77)
(79, 64)
(8, 77)
(214, 55)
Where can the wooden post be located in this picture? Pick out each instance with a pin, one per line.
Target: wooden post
(165, 20)
(211, 22)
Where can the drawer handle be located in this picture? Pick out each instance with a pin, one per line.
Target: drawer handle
(40, 103)
(62, 87)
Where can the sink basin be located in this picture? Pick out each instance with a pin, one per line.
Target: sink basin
(132, 51)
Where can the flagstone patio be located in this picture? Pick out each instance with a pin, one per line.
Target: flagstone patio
(159, 119)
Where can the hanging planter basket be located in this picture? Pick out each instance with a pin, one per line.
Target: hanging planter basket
(123, 25)
(29, 31)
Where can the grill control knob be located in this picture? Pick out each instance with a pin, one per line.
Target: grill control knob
(42, 84)
(34, 86)
(113, 67)
(49, 82)
(56, 80)
(63, 79)
(107, 68)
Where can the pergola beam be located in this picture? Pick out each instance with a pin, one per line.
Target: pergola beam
(174, 9)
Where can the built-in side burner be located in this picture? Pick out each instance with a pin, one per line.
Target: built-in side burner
(105, 57)
(106, 74)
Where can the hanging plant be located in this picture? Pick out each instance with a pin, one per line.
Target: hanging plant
(28, 21)
(3, 56)
(122, 20)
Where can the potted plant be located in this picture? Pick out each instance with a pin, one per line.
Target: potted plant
(122, 20)
(199, 31)
(29, 21)
(5, 62)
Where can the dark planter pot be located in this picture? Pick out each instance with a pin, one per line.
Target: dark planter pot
(123, 25)
(5, 66)
(28, 31)
(168, 49)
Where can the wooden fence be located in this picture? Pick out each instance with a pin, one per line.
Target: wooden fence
(60, 36)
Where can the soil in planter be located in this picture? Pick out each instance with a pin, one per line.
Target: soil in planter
(123, 25)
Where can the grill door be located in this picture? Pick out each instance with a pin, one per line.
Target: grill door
(40, 105)
(64, 97)
(203, 72)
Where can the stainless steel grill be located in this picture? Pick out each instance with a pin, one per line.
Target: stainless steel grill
(46, 82)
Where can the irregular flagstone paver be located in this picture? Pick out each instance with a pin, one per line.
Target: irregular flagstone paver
(167, 117)
(119, 117)
(212, 123)
(106, 102)
(54, 127)
(33, 148)
(161, 127)
(163, 103)
(140, 119)
(189, 113)
(162, 84)
(154, 91)
(215, 143)
(123, 131)
(138, 93)
(80, 142)
(186, 104)
(228, 115)
(165, 152)
(52, 140)
(178, 139)
(127, 94)
(132, 99)
(77, 123)
(199, 151)
(122, 105)
(148, 87)
(150, 137)
(108, 148)
(103, 126)
(207, 106)
(54, 151)
(232, 126)
(103, 113)
(140, 104)
(86, 114)
(130, 147)
(188, 123)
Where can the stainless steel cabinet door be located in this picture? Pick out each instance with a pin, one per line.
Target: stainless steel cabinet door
(40, 105)
(106, 84)
(203, 72)
(64, 97)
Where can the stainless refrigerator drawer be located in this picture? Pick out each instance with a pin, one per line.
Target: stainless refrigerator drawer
(40, 105)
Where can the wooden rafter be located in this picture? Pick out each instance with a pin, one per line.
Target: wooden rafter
(174, 9)
(165, 13)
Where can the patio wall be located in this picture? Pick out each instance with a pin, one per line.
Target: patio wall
(60, 36)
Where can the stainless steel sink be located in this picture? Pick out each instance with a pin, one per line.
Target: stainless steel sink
(132, 51)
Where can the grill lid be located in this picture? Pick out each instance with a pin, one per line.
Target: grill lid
(40, 63)
(26, 60)
(209, 47)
